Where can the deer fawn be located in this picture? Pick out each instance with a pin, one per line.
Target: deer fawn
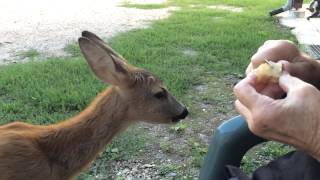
(61, 151)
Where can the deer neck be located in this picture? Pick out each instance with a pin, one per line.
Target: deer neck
(74, 143)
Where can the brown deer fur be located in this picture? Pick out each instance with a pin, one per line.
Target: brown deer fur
(62, 150)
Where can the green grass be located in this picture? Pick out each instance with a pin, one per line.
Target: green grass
(197, 152)
(45, 92)
(73, 50)
(145, 6)
(31, 53)
(263, 154)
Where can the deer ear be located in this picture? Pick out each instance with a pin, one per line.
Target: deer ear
(100, 42)
(106, 66)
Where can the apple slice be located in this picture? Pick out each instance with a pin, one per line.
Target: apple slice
(268, 72)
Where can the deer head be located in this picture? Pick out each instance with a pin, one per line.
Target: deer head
(145, 96)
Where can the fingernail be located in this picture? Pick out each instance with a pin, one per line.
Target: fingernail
(285, 65)
(285, 73)
(283, 61)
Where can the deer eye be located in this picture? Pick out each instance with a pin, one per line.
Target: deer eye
(161, 94)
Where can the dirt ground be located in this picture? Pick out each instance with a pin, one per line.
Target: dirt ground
(168, 157)
(48, 26)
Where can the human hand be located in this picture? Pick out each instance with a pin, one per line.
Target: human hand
(296, 63)
(293, 120)
(274, 50)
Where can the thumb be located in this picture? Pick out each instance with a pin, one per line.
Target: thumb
(304, 70)
(245, 91)
(288, 82)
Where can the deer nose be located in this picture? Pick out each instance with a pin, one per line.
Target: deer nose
(183, 115)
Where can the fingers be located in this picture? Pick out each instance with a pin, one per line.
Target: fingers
(258, 59)
(275, 50)
(288, 82)
(285, 65)
(297, 69)
(245, 91)
(243, 110)
(306, 70)
(272, 90)
(255, 124)
(264, 53)
(260, 128)
(249, 69)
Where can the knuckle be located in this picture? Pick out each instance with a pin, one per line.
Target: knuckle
(237, 88)
(285, 42)
(307, 89)
(280, 43)
(260, 123)
(256, 59)
(288, 42)
(256, 129)
(268, 42)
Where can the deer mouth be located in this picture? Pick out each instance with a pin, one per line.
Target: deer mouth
(183, 115)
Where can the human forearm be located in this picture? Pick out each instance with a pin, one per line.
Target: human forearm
(305, 68)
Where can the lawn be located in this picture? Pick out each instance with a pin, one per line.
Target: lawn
(199, 53)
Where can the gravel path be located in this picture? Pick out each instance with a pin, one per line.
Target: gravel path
(48, 26)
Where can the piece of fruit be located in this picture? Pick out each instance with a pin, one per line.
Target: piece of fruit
(268, 72)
